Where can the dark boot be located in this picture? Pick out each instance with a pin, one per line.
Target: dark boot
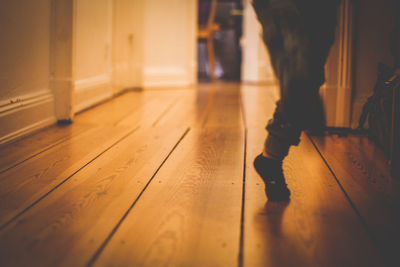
(271, 172)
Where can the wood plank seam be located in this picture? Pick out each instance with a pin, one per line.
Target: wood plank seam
(162, 115)
(241, 241)
(243, 110)
(206, 116)
(364, 223)
(114, 230)
(66, 179)
(62, 140)
(190, 214)
(210, 102)
(128, 115)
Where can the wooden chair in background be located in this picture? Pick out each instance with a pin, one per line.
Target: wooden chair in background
(206, 32)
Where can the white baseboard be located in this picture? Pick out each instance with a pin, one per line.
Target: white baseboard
(126, 76)
(328, 94)
(22, 115)
(91, 91)
(166, 77)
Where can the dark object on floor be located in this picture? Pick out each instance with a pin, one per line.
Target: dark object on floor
(271, 172)
(378, 108)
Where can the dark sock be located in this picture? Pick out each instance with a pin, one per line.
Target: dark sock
(271, 172)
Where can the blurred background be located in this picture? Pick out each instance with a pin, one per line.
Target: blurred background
(227, 50)
(59, 57)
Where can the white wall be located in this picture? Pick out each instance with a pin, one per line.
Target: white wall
(26, 101)
(93, 52)
(59, 57)
(127, 44)
(133, 43)
(154, 43)
(256, 66)
(169, 43)
(329, 89)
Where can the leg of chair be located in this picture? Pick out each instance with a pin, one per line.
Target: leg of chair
(211, 57)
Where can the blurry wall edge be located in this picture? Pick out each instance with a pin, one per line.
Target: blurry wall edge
(61, 56)
(256, 66)
(26, 99)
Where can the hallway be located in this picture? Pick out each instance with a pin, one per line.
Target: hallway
(165, 178)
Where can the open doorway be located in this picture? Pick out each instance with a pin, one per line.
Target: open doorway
(224, 19)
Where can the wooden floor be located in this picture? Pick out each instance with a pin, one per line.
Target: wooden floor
(165, 178)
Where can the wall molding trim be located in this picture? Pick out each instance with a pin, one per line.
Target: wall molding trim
(337, 91)
(126, 75)
(89, 83)
(345, 71)
(22, 115)
(24, 100)
(166, 76)
(91, 91)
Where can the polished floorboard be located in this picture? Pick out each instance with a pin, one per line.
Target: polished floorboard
(164, 177)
